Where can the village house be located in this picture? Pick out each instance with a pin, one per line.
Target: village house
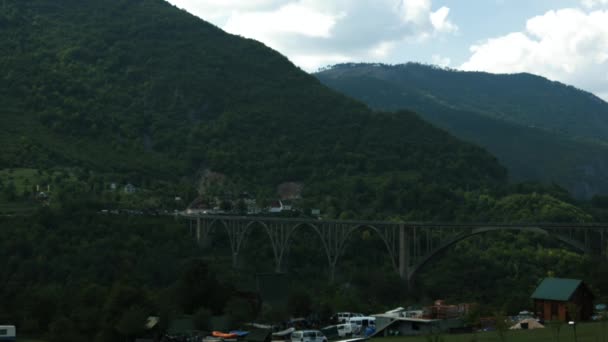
(276, 207)
(199, 206)
(555, 296)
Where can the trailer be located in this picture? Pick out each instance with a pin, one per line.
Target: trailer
(8, 333)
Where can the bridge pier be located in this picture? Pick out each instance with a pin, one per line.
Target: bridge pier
(279, 235)
(236, 235)
(404, 253)
(333, 237)
(198, 229)
(603, 245)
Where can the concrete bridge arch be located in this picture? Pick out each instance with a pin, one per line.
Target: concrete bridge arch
(410, 246)
(446, 244)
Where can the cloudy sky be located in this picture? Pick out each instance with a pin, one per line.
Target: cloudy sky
(564, 40)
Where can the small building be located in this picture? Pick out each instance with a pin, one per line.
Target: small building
(554, 296)
(129, 189)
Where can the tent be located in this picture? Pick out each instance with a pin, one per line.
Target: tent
(528, 323)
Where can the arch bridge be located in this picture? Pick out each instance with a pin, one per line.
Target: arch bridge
(409, 245)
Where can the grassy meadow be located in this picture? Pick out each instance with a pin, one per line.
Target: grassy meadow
(587, 332)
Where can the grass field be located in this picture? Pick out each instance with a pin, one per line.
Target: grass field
(16, 208)
(23, 179)
(589, 332)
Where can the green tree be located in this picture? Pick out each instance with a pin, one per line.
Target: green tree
(63, 329)
(198, 288)
(10, 191)
(434, 335)
(501, 324)
(239, 310)
(131, 323)
(556, 326)
(202, 319)
(300, 303)
(241, 207)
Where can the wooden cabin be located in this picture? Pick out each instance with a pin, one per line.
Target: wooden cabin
(554, 296)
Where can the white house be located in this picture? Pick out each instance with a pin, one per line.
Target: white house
(276, 207)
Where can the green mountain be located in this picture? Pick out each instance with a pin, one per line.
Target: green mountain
(142, 88)
(541, 130)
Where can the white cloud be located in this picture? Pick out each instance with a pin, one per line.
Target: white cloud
(219, 10)
(312, 62)
(415, 11)
(440, 60)
(314, 33)
(440, 21)
(289, 19)
(383, 49)
(568, 45)
(594, 3)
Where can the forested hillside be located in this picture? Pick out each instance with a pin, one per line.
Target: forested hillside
(145, 89)
(541, 130)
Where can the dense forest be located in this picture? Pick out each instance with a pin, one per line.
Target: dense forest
(97, 93)
(74, 275)
(144, 90)
(540, 130)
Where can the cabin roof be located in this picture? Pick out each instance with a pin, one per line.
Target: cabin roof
(559, 289)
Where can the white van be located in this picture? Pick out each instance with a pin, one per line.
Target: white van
(8, 333)
(308, 336)
(343, 317)
(359, 324)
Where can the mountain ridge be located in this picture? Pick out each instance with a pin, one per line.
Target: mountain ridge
(530, 150)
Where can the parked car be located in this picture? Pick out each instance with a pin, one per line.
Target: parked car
(308, 336)
(8, 333)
